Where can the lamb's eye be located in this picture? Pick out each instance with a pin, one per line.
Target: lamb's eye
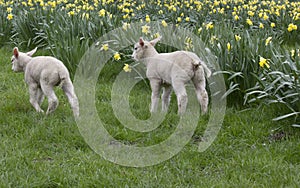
(135, 48)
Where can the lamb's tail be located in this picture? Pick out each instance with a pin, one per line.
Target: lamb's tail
(201, 63)
(69, 91)
(206, 69)
(196, 61)
(62, 79)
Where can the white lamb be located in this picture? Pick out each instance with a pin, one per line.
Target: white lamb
(169, 70)
(42, 73)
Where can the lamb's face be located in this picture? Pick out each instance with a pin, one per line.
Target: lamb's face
(142, 49)
(16, 64)
(19, 59)
(138, 52)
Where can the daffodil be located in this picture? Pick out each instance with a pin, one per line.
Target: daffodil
(250, 13)
(9, 16)
(117, 56)
(85, 15)
(237, 37)
(210, 25)
(145, 29)
(265, 17)
(52, 4)
(127, 68)
(263, 62)
(293, 53)
(9, 9)
(71, 13)
(268, 41)
(228, 46)
(164, 23)
(236, 17)
(249, 22)
(147, 19)
(273, 25)
(213, 39)
(104, 47)
(125, 26)
(188, 43)
(292, 27)
(200, 30)
(261, 25)
(156, 35)
(102, 13)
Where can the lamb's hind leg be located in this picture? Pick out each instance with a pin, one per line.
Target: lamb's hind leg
(52, 99)
(40, 96)
(182, 99)
(68, 89)
(34, 96)
(201, 93)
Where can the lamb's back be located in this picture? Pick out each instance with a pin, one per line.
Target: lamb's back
(45, 66)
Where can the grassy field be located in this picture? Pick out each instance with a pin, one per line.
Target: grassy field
(49, 151)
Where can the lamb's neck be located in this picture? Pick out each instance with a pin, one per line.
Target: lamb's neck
(151, 53)
(149, 57)
(25, 61)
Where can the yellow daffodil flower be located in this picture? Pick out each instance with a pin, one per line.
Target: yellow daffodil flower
(9, 16)
(104, 47)
(268, 41)
(127, 68)
(228, 46)
(164, 23)
(249, 22)
(145, 29)
(237, 37)
(263, 62)
(117, 56)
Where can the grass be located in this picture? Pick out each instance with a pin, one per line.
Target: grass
(49, 151)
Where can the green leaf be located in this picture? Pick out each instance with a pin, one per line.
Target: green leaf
(286, 116)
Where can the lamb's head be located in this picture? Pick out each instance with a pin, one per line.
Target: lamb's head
(19, 59)
(144, 49)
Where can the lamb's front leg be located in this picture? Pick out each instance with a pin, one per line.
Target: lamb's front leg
(34, 96)
(166, 98)
(155, 87)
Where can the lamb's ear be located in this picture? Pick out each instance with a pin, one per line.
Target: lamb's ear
(154, 41)
(16, 52)
(31, 52)
(141, 42)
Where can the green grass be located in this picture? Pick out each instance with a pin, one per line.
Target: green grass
(49, 151)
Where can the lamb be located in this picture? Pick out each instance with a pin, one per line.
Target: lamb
(172, 70)
(42, 73)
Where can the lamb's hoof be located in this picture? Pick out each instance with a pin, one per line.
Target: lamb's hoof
(49, 112)
(40, 111)
(204, 111)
